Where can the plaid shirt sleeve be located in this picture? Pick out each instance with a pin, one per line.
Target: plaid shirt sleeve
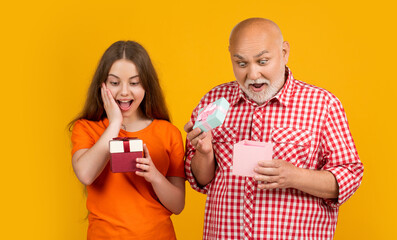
(189, 153)
(340, 154)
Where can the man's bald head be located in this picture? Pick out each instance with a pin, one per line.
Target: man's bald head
(258, 28)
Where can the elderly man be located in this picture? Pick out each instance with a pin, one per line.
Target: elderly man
(315, 166)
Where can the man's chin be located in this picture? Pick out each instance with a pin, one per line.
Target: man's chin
(259, 101)
(258, 97)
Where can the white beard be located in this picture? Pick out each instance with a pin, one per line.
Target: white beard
(271, 89)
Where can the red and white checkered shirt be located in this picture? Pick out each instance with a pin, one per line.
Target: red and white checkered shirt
(309, 129)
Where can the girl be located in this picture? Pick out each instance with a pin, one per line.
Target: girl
(125, 100)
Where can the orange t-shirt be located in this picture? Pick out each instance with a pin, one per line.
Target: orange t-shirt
(124, 205)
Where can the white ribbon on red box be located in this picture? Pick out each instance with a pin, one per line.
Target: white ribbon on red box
(117, 146)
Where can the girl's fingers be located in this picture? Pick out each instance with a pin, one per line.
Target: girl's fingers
(143, 167)
(146, 151)
(143, 161)
(111, 99)
(143, 164)
(107, 97)
(104, 95)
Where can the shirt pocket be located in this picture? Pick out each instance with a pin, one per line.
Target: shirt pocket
(292, 145)
(223, 140)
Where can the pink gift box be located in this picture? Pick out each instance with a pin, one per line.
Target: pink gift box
(247, 154)
(123, 154)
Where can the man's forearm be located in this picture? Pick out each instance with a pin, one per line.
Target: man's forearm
(319, 183)
(203, 167)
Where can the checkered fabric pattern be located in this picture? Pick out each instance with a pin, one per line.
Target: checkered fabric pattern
(308, 128)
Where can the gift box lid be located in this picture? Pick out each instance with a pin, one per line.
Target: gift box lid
(117, 146)
(212, 115)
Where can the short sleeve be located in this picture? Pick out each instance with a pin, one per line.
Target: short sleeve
(81, 138)
(177, 153)
(340, 154)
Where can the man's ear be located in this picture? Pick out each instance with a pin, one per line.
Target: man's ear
(285, 52)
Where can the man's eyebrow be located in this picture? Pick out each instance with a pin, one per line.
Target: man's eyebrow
(238, 56)
(258, 55)
(261, 53)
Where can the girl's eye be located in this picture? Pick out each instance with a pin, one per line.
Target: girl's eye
(263, 62)
(114, 83)
(134, 83)
(242, 64)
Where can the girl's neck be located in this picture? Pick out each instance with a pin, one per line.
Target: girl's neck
(135, 122)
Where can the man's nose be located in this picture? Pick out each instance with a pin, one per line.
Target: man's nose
(253, 72)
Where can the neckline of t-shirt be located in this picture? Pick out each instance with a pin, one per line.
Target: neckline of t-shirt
(147, 128)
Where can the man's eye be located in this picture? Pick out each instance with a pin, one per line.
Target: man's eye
(242, 64)
(263, 62)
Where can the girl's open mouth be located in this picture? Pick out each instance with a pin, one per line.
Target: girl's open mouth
(124, 105)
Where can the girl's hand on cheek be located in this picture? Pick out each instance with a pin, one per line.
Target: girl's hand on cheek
(112, 109)
(146, 165)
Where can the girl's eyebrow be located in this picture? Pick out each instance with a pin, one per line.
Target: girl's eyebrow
(110, 74)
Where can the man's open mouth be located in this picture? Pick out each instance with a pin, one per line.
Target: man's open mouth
(257, 87)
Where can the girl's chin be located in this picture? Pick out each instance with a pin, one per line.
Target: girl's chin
(128, 113)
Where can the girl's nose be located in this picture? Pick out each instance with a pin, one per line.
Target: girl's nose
(124, 89)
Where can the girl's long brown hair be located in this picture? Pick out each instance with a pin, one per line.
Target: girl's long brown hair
(153, 104)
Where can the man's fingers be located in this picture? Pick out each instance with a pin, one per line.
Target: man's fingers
(195, 141)
(268, 163)
(266, 178)
(268, 171)
(266, 185)
(193, 134)
(188, 127)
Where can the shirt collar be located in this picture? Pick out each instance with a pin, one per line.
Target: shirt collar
(237, 94)
(286, 92)
(283, 96)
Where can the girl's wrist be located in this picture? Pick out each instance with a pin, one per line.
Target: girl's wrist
(114, 125)
(158, 179)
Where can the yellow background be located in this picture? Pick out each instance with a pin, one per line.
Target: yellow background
(49, 51)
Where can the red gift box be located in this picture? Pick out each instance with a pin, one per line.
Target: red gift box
(123, 154)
